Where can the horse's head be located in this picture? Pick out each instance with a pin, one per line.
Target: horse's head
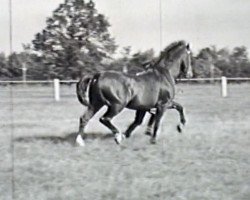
(185, 62)
(177, 59)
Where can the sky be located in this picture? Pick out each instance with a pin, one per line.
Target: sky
(136, 23)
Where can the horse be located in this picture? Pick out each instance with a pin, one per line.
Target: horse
(152, 91)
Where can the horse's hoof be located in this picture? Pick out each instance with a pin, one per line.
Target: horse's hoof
(180, 127)
(153, 141)
(119, 137)
(127, 135)
(79, 141)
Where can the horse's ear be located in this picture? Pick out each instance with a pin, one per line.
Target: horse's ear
(188, 46)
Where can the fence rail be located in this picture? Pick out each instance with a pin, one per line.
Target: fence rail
(56, 83)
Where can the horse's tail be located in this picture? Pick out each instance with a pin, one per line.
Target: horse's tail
(82, 89)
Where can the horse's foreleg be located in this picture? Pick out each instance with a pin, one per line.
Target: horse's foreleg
(158, 116)
(150, 125)
(179, 108)
(84, 119)
(112, 111)
(138, 120)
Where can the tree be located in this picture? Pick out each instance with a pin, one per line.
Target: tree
(75, 40)
(131, 63)
(223, 62)
(4, 70)
(205, 63)
(234, 63)
(138, 59)
(11, 66)
(15, 65)
(239, 62)
(121, 64)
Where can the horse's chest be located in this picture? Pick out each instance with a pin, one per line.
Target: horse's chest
(166, 94)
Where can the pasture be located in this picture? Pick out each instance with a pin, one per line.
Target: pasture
(209, 161)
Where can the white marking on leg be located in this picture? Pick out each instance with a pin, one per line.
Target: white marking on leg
(119, 137)
(152, 111)
(79, 141)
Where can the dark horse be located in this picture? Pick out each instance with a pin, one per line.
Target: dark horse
(151, 91)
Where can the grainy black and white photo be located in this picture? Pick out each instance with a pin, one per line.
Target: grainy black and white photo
(124, 100)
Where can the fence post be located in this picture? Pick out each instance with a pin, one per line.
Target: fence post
(24, 73)
(57, 89)
(224, 86)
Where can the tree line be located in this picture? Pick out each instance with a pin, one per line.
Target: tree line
(76, 41)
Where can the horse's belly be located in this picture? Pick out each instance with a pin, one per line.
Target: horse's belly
(141, 104)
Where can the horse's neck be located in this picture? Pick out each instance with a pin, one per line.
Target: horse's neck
(166, 74)
(174, 69)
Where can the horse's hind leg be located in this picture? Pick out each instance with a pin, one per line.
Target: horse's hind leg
(179, 108)
(112, 111)
(138, 120)
(84, 119)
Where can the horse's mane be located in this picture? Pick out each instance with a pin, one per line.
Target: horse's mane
(170, 52)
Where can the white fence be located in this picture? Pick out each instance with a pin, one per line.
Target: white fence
(57, 95)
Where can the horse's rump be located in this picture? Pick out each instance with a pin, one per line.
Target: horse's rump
(82, 89)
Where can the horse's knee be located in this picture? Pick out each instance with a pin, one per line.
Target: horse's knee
(103, 120)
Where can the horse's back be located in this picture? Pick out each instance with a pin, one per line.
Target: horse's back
(114, 87)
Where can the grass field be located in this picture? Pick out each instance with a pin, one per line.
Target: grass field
(209, 161)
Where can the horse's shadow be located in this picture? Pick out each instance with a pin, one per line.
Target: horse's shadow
(69, 138)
